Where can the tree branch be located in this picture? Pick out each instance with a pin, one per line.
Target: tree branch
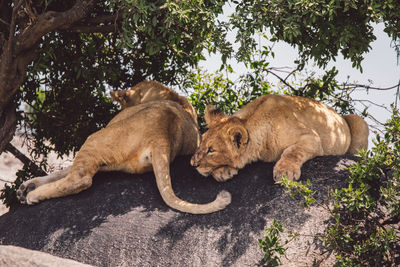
(370, 87)
(92, 29)
(51, 21)
(282, 80)
(5, 181)
(97, 24)
(104, 19)
(25, 160)
(4, 22)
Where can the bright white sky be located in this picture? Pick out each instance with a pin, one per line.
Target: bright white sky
(379, 66)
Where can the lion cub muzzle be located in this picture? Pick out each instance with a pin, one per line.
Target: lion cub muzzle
(194, 161)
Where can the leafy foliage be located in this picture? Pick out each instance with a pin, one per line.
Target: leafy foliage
(319, 29)
(366, 212)
(182, 28)
(215, 89)
(294, 189)
(271, 244)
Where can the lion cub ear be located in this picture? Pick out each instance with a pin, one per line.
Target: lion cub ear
(118, 95)
(213, 115)
(238, 135)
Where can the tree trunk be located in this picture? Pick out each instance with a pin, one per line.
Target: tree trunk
(8, 123)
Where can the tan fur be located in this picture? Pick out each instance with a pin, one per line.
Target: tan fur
(147, 91)
(283, 129)
(139, 139)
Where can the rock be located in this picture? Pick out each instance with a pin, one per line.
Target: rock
(122, 221)
(22, 257)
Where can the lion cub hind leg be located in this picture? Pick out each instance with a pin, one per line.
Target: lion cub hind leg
(161, 162)
(293, 157)
(77, 180)
(34, 183)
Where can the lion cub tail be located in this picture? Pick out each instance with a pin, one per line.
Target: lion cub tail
(359, 133)
(161, 162)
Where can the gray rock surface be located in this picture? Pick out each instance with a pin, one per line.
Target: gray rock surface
(122, 221)
(22, 257)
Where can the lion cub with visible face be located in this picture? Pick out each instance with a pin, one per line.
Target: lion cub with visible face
(154, 131)
(287, 130)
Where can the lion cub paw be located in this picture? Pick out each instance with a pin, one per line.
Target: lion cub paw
(288, 170)
(224, 173)
(24, 189)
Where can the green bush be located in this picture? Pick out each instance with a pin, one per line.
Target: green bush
(271, 244)
(366, 213)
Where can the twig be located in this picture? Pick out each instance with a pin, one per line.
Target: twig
(5, 22)
(291, 73)
(370, 87)
(372, 103)
(282, 80)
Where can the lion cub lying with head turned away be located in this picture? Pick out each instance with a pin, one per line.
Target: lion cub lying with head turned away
(149, 91)
(153, 132)
(287, 130)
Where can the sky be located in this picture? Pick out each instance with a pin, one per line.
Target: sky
(380, 69)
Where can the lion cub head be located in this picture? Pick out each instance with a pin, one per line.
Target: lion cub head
(147, 91)
(221, 146)
(143, 92)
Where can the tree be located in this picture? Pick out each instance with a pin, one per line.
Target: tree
(59, 57)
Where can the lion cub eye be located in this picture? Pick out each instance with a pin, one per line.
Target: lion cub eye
(210, 150)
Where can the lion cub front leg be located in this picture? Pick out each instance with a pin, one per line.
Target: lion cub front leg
(34, 183)
(294, 156)
(78, 179)
(224, 173)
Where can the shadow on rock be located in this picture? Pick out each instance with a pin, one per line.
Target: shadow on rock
(122, 219)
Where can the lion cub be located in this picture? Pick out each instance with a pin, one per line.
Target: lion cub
(154, 132)
(287, 130)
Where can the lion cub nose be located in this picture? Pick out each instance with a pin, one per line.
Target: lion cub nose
(194, 162)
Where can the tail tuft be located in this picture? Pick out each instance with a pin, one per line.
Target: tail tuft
(223, 199)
